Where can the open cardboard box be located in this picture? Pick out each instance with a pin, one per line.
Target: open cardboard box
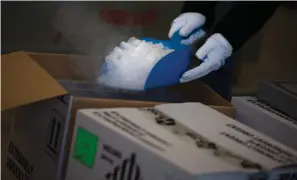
(60, 66)
(30, 86)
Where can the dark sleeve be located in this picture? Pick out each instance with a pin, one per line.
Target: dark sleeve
(244, 20)
(207, 8)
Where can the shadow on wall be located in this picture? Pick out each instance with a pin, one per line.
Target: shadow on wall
(270, 54)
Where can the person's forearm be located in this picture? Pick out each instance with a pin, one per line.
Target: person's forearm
(207, 8)
(244, 20)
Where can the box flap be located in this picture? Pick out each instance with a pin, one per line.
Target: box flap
(59, 66)
(24, 81)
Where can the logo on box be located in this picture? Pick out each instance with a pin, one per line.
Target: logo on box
(85, 148)
(127, 170)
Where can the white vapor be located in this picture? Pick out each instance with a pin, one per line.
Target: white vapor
(81, 26)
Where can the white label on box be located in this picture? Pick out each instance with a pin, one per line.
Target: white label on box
(231, 134)
(180, 131)
(124, 124)
(259, 145)
(131, 124)
(187, 135)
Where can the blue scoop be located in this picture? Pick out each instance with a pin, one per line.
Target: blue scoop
(168, 70)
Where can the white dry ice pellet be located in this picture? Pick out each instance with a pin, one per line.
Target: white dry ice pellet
(134, 41)
(125, 46)
(129, 65)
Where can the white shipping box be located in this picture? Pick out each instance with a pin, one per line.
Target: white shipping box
(171, 141)
(260, 116)
(35, 147)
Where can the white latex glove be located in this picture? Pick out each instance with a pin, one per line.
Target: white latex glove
(213, 53)
(185, 24)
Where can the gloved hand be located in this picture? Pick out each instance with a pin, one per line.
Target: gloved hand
(213, 53)
(185, 24)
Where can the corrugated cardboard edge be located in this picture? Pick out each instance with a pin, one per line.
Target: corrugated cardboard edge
(25, 82)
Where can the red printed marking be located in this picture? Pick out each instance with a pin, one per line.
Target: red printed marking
(123, 17)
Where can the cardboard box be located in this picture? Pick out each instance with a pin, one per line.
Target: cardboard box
(6, 130)
(266, 119)
(282, 95)
(44, 111)
(170, 141)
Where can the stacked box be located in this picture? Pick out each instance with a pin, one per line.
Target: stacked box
(282, 95)
(259, 115)
(169, 142)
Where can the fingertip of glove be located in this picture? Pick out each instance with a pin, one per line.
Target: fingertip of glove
(200, 54)
(185, 77)
(183, 33)
(172, 31)
(182, 80)
(170, 35)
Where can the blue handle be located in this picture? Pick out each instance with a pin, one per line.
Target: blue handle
(177, 38)
(174, 42)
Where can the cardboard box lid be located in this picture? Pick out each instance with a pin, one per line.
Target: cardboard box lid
(24, 81)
